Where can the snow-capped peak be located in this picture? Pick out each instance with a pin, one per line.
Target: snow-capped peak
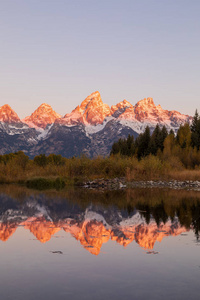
(94, 114)
(145, 112)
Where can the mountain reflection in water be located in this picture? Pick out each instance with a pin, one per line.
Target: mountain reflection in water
(94, 218)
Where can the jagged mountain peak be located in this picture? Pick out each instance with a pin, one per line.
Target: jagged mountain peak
(6, 106)
(122, 104)
(125, 102)
(8, 115)
(95, 111)
(146, 102)
(42, 116)
(120, 108)
(44, 105)
(91, 128)
(92, 111)
(92, 99)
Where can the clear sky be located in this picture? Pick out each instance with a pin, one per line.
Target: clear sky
(60, 51)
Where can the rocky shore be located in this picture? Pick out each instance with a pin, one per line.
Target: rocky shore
(121, 183)
(174, 184)
(108, 184)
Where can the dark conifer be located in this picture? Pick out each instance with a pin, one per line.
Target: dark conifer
(195, 121)
(144, 143)
(195, 128)
(163, 135)
(155, 140)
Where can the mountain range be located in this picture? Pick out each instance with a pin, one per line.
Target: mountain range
(90, 129)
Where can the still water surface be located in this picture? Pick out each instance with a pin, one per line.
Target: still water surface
(134, 244)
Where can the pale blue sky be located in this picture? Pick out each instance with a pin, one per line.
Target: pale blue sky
(61, 51)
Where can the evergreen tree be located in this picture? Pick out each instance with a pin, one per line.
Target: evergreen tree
(195, 128)
(195, 121)
(115, 148)
(143, 143)
(124, 147)
(172, 132)
(155, 140)
(130, 145)
(163, 135)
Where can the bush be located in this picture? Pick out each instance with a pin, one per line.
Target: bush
(152, 167)
(41, 160)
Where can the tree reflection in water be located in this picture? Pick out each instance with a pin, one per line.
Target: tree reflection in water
(95, 217)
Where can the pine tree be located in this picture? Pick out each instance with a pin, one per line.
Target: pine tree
(195, 128)
(195, 121)
(172, 132)
(143, 143)
(163, 135)
(130, 145)
(154, 142)
(157, 139)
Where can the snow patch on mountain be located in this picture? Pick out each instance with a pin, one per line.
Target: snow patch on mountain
(44, 133)
(13, 129)
(91, 129)
(134, 125)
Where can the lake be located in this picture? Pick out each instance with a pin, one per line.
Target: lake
(87, 244)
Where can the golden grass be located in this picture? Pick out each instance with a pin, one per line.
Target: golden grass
(184, 175)
(81, 169)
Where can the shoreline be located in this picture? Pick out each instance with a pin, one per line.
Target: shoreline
(122, 183)
(117, 183)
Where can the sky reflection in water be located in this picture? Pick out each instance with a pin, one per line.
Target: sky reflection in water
(133, 244)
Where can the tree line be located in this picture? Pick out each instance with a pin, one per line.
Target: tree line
(21, 159)
(185, 145)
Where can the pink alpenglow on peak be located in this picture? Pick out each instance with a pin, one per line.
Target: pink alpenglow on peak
(146, 102)
(95, 111)
(120, 107)
(92, 111)
(146, 111)
(7, 115)
(74, 118)
(42, 116)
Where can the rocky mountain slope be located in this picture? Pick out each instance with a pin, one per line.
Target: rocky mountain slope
(90, 128)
